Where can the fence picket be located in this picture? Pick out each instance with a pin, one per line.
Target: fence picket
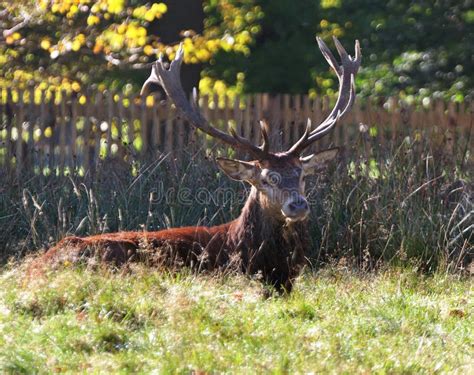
(9, 111)
(156, 126)
(257, 117)
(130, 123)
(110, 121)
(179, 133)
(19, 131)
(247, 116)
(86, 136)
(60, 128)
(97, 129)
(168, 145)
(144, 125)
(325, 110)
(42, 138)
(73, 138)
(32, 121)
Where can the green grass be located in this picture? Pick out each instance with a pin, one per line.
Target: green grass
(393, 321)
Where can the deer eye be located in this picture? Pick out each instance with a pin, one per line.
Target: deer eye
(265, 183)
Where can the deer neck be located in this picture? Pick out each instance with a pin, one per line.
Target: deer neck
(260, 223)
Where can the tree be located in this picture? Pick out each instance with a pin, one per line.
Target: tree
(415, 48)
(70, 43)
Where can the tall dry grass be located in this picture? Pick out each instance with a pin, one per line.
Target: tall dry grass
(407, 202)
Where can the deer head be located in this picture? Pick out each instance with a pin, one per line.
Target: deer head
(277, 177)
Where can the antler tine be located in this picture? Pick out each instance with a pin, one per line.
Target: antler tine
(346, 73)
(170, 80)
(303, 139)
(265, 146)
(328, 56)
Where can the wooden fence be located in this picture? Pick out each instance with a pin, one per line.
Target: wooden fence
(70, 132)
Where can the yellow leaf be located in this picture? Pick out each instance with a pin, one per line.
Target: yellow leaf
(139, 12)
(203, 55)
(115, 6)
(131, 32)
(45, 44)
(141, 31)
(141, 41)
(121, 28)
(160, 7)
(92, 20)
(76, 45)
(150, 101)
(149, 15)
(148, 50)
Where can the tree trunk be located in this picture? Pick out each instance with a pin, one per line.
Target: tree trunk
(182, 15)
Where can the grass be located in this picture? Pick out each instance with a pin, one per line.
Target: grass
(336, 321)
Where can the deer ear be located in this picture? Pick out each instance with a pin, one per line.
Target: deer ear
(238, 169)
(315, 162)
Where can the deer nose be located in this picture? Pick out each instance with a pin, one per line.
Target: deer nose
(299, 205)
(296, 209)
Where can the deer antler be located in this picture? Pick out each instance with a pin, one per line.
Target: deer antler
(170, 80)
(346, 73)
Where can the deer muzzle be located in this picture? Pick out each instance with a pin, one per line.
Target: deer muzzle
(295, 208)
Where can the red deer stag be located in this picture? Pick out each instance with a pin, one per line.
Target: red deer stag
(270, 235)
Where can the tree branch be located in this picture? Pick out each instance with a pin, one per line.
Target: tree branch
(18, 26)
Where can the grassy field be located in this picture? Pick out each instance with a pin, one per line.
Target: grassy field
(404, 206)
(393, 321)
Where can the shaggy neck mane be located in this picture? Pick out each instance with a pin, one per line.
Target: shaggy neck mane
(260, 226)
(266, 244)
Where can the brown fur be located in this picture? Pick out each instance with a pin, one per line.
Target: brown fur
(254, 243)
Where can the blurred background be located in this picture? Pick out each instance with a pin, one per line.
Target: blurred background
(414, 49)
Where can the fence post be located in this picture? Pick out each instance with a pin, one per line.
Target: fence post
(110, 121)
(87, 110)
(168, 144)
(131, 123)
(19, 129)
(258, 115)
(63, 124)
(156, 122)
(144, 124)
(32, 120)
